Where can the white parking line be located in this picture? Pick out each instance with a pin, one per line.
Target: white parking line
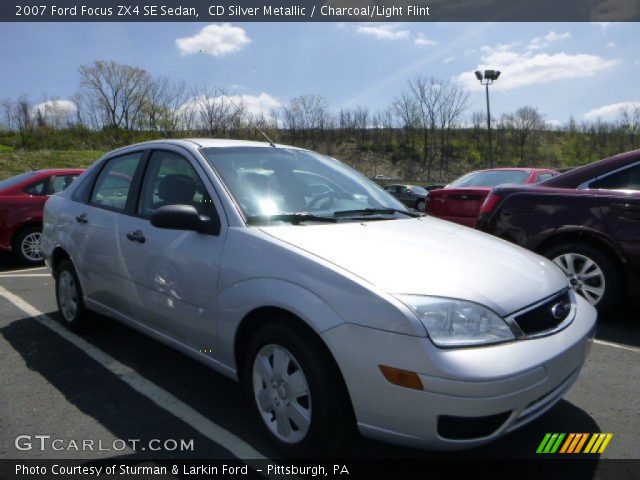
(25, 275)
(157, 395)
(21, 270)
(616, 345)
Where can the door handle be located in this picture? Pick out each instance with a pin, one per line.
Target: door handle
(82, 218)
(136, 236)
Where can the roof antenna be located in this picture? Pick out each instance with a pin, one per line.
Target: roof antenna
(265, 136)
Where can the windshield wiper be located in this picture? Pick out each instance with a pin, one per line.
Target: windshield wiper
(374, 211)
(294, 218)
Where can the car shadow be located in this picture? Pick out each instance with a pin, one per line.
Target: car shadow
(620, 326)
(9, 262)
(126, 413)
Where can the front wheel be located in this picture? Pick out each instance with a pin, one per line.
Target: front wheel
(591, 273)
(296, 392)
(420, 205)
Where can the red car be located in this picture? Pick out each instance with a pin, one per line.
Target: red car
(22, 200)
(460, 201)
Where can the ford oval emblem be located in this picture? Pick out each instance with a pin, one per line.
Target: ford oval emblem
(559, 310)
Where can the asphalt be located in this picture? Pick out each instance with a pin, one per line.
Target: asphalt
(114, 383)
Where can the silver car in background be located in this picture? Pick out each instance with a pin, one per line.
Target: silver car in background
(338, 308)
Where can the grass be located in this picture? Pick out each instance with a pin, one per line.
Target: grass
(13, 161)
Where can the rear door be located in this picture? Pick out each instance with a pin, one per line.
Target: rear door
(171, 276)
(95, 232)
(619, 197)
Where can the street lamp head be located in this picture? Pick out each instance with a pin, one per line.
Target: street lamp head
(479, 75)
(490, 74)
(497, 74)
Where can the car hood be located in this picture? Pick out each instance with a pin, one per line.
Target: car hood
(428, 256)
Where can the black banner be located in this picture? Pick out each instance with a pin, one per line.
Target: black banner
(320, 10)
(107, 469)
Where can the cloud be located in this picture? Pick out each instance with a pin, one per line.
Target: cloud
(611, 44)
(449, 59)
(54, 106)
(602, 25)
(385, 31)
(423, 41)
(553, 123)
(216, 40)
(254, 105)
(610, 111)
(551, 37)
(528, 68)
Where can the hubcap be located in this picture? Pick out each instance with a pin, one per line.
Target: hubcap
(67, 295)
(421, 206)
(585, 275)
(30, 247)
(282, 394)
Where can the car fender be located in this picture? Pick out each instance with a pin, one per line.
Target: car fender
(240, 299)
(536, 242)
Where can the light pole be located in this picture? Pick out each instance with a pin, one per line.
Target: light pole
(487, 78)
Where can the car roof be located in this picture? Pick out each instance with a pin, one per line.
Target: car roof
(206, 143)
(523, 169)
(576, 177)
(46, 171)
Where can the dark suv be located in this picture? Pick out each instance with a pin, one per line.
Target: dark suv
(586, 220)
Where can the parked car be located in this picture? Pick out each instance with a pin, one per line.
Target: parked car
(411, 195)
(220, 249)
(460, 201)
(22, 200)
(434, 186)
(586, 220)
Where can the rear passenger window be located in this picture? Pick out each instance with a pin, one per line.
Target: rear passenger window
(58, 183)
(544, 176)
(627, 179)
(114, 182)
(38, 188)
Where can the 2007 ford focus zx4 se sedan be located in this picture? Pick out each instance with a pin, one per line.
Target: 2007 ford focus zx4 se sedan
(338, 309)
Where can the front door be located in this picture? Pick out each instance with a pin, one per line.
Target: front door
(172, 275)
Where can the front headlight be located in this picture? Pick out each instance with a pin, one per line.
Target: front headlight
(457, 323)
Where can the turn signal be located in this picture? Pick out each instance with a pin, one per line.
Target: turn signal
(403, 378)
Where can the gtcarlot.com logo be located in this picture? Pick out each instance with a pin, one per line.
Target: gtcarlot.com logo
(574, 443)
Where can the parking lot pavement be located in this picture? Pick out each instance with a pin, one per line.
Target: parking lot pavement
(114, 383)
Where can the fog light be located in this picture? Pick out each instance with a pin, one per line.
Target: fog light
(403, 378)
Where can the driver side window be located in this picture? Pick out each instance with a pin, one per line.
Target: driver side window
(172, 180)
(627, 179)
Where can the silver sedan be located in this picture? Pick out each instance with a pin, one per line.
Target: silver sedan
(338, 308)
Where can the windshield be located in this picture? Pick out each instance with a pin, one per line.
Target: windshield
(419, 190)
(17, 180)
(268, 181)
(491, 178)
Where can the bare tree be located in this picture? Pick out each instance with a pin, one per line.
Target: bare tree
(629, 119)
(525, 123)
(115, 92)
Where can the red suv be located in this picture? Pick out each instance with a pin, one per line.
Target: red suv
(22, 200)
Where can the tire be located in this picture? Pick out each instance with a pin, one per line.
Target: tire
(26, 246)
(69, 297)
(420, 204)
(589, 279)
(327, 407)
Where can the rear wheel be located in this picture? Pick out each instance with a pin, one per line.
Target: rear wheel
(26, 246)
(69, 297)
(591, 273)
(420, 205)
(296, 392)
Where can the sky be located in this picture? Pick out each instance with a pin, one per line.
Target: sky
(584, 70)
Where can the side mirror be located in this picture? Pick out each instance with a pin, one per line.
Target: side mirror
(184, 217)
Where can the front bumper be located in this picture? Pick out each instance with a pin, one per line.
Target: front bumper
(513, 382)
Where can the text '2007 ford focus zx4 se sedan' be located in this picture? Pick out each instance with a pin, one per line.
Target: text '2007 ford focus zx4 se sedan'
(336, 307)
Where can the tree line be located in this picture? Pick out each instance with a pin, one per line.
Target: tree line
(426, 132)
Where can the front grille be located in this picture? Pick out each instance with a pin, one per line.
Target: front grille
(467, 428)
(542, 318)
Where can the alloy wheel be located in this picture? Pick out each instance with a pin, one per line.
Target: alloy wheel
(585, 275)
(30, 247)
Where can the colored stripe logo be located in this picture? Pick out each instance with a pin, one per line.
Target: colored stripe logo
(574, 443)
